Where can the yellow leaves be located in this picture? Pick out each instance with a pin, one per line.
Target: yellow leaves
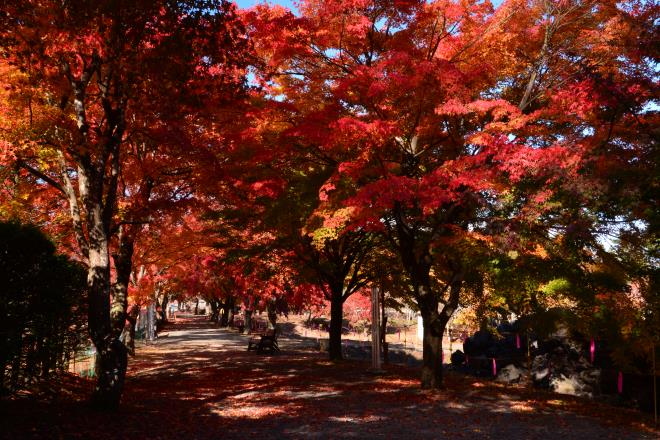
(333, 224)
(321, 235)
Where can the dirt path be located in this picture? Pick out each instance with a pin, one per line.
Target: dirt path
(199, 382)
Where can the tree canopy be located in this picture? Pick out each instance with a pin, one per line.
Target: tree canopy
(455, 152)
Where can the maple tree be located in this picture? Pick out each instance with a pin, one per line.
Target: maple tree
(475, 154)
(295, 239)
(454, 128)
(90, 88)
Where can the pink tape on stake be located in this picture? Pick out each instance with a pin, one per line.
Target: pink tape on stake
(592, 350)
(619, 383)
(494, 367)
(517, 341)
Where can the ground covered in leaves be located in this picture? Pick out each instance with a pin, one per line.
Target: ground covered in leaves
(199, 382)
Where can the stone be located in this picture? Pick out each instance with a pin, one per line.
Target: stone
(478, 344)
(511, 374)
(563, 368)
(574, 385)
(457, 358)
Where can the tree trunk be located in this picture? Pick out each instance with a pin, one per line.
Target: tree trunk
(230, 312)
(224, 317)
(432, 350)
(383, 333)
(272, 315)
(336, 321)
(435, 324)
(111, 363)
(128, 335)
(123, 260)
(215, 311)
(248, 322)
(418, 261)
(111, 355)
(163, 307)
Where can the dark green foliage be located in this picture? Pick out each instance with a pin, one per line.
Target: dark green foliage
(42, 299)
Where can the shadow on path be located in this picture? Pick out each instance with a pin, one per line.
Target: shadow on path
(199, 382)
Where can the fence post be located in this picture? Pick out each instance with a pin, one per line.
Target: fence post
(529, 363)
(375, 329)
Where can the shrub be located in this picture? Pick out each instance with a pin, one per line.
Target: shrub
(41, 306)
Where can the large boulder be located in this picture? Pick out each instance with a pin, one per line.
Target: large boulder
(479, 343)
(457, 358)
(501, 347)
(562, 367)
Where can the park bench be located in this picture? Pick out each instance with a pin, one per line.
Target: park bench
(264, 342)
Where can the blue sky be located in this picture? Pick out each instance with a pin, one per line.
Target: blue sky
(248, 3)
(289, 3)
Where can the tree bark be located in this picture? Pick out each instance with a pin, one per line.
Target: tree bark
(215, 311)
(123, 260)
(224, 316)
(417, 261)
(163, 307)
(432, 349)
(128, 335)
(272, 315)
(111, 355)
(336, 321)
(230, 313)
(248, 322)
(435, 324)
(383, 327)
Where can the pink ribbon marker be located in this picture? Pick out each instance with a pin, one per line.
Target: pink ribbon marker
(517, 341)
(592, 350)
(619, 383)
(494, 367)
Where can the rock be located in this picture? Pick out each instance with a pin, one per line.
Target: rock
(540, 371)
(563, 368)
(511, 374)
(541, 375)
(479, 343)
(457, 358)
(559, 363)
(575, 385)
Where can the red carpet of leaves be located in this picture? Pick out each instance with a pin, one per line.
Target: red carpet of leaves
(198, 382)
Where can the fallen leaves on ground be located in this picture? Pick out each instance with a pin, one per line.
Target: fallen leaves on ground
(199, 388)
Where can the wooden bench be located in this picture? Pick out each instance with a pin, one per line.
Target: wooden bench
(264, 342)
